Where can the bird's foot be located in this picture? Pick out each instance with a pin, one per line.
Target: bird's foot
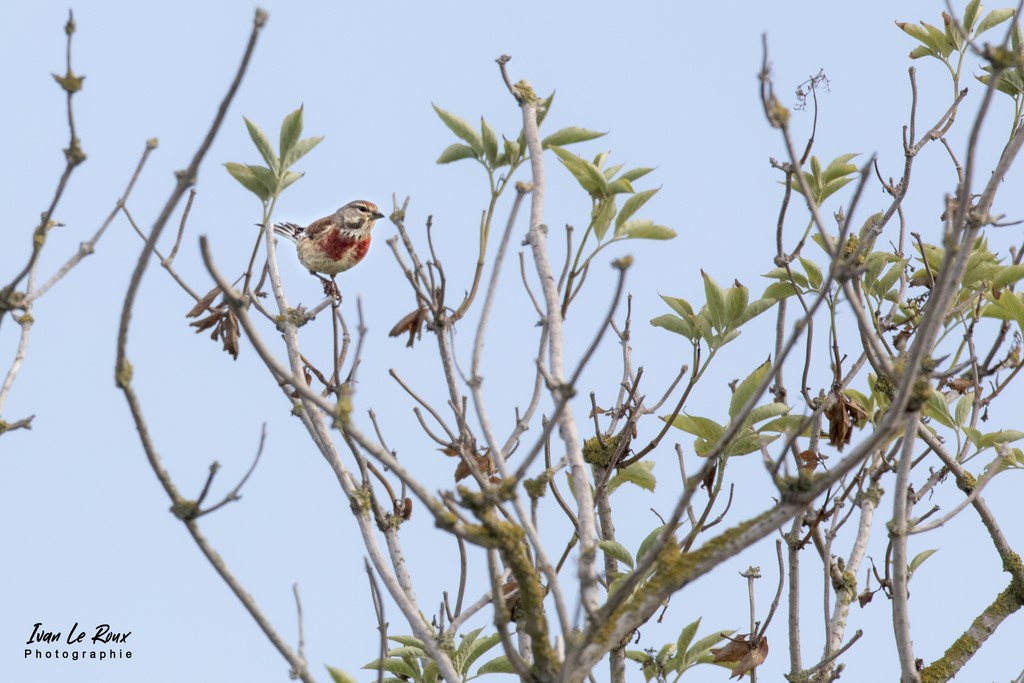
(331, 289)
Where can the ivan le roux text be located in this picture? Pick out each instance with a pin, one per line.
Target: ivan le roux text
(102, 634)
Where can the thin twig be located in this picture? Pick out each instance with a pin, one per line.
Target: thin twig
(235, 492)
(301, 652)
(382, 625)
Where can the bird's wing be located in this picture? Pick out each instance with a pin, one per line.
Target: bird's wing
(314, 229)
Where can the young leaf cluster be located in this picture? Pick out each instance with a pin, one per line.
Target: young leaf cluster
(825, 182)
(747, 439)
(483, 145)
(719, 321)
(952, 39)
(941, 43)
(604, 185)
(500, 162)
(410, 662)
(676, 658)
(268, 182)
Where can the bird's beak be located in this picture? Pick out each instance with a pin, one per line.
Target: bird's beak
(376, 215)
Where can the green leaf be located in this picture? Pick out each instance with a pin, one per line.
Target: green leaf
(839, 168)
(815, 174)
(644, 229)
(1009, 307)
(1008, 276)
(686, 637)
(698, 426)
(735, 305)
(620, 186)
(787, 424)
(754, 309)
(920, 33)
(918, 561)
(680, 306)
(940, 39)
(618, 551)
(830, 188)
(511, 150)
(715, 301)
(963, 408)
(569, 136)
(921, 51)
(467, 642)
(456, 152)
(244, 175)
(393, 666)
(262, 143)
(814, 276)
(766, 412)
(587, 174)
(603, 217)
(971, 15)
(462, 130)
(702, 322)
(981, 266)
(952, 33)
(935, 407)
(665, 654)
(702, 646)
(544, 109)
(610, 172)
(339, 676)
(615, 581)
(407, 640)
(300, 149)
(727, 337)
(631, 205)
(289, 178)
(265, 177)
(636, 173)
(479, 649)
(778, 290)
(782, 275)
(490, 141)
(674, 323)
(746, 389)
(498, 665)
(1012, 459)
(873, 264)
(638, 473)
(291, 130)
(883, 286)
(993, 18)
(649, 541)
(1002, 436)
(748, 441)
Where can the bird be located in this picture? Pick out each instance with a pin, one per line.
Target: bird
(334, 243)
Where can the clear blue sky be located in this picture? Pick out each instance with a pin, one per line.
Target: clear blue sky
(86, 531)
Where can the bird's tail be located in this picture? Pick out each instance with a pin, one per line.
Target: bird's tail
(289, 231)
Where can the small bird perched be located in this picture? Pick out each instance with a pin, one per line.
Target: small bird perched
(335, 243)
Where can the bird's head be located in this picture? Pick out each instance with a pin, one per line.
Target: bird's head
(358, 215)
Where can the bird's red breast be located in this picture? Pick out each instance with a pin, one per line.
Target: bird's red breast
(341, 247)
